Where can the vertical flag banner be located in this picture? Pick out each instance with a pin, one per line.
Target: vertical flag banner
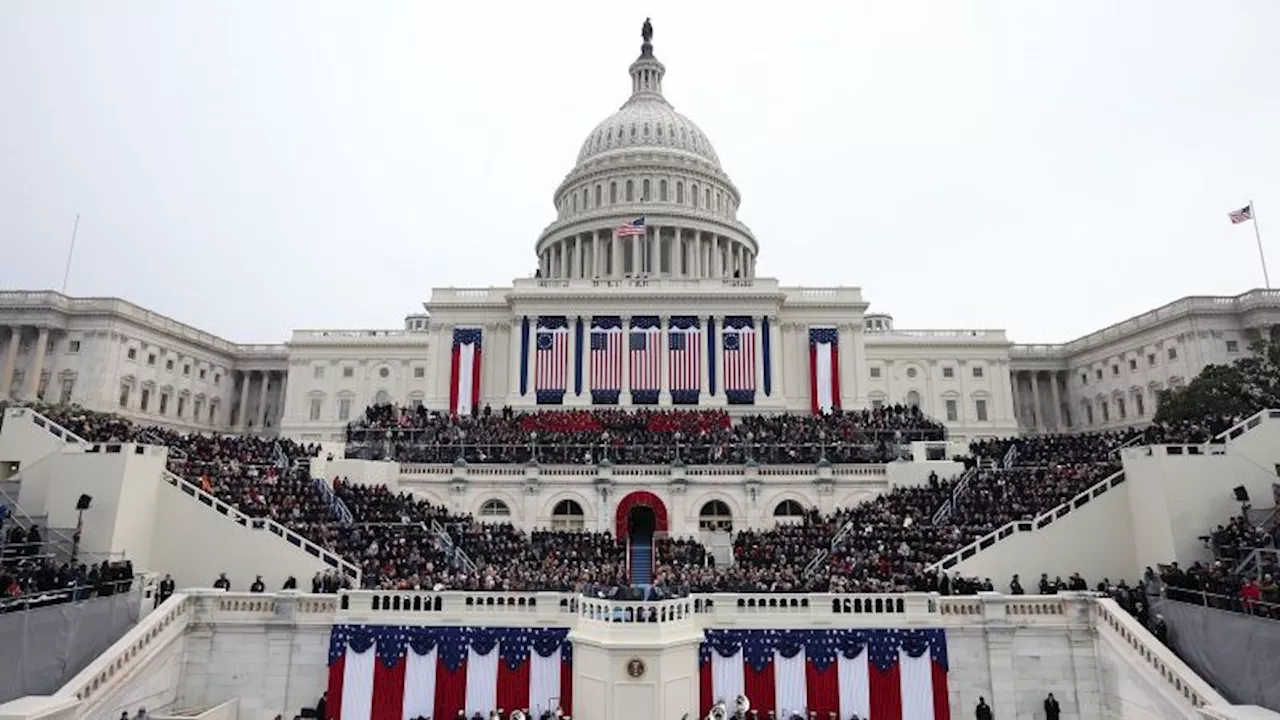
(577, 357)
(524, 356)
(551, 360)
(684, 343)
(899, 674)
(464, 388)
(644, 344)
(739, 360)
(824, 369)
(711, 355)
(379, 672)
(765, 344)
(606, 360)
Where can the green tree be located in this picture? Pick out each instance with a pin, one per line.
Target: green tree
(1240, 389)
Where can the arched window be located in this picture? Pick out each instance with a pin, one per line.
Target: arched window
(708, 204)
(598, 196)
(693, 189)
(662, 190)
(568, 515)
(575, 202)
(913, 399)
(715, 515)
(382, 398)
(584, 199)
(631, 194)
(788, 509)
(644, 191)
(719, 199)
(494, 509)
(680, 191)
(613, 193)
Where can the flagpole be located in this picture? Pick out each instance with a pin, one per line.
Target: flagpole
(1257, 234)
(66, 274)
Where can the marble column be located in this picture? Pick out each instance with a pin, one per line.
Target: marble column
(262, 400)
(636, 256)
(1057, 401)
(775, 359)
(243, 416)
(597, 266)
(36, 367)
(655, 253)
(1015, 398)
(1037, 406)
(615, 252)
(10, 361)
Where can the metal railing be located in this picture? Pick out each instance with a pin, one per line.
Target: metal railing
(1229, 603)
(1010, 457)
(945, 510)
(72, 593)
(1254, 564)
(340, 510)
(452, 549)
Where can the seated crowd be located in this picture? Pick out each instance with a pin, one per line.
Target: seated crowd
(31, 576)
(400, 540)
(1227, 584)
(635, 437)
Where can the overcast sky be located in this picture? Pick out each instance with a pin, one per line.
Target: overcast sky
(255, 166)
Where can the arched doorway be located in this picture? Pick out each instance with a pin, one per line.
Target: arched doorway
(640, 500)
(642, 521)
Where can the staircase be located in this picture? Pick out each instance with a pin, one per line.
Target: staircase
(640, 557)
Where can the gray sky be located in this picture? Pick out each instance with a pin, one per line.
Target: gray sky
(255, 166)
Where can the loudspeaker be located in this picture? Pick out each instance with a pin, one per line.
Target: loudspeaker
(1242, 494)
(83, 502)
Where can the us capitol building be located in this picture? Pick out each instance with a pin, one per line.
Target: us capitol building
(646, 293)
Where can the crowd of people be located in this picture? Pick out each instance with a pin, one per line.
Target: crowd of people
(1224, 583)
(418, 435)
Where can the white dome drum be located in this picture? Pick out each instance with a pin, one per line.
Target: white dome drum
(653, 171)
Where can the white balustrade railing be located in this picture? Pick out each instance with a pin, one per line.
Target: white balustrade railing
(1246, 425)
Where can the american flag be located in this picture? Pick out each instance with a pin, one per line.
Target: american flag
(1244, 214)
(868, 673)
(645, 343)
(379, 672)
(606, 359)
(551, 364)
(631, 229)
(684, 342)
(739, 361)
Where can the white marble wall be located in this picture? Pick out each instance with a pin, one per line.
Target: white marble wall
(272, 669)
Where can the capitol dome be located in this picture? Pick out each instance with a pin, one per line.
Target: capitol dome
(647, 197)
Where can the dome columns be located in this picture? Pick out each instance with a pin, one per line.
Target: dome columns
(664, 251)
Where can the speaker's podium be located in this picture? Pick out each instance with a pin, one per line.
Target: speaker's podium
(635, 660)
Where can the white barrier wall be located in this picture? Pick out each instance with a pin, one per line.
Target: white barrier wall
(269, 651)
(188, 524)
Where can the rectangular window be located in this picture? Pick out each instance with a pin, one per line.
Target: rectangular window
(1133, 364)
(168, 365)
(1097, 374)
(978, 372)
(1120, 409)
(186, 370)
(318, 372)
(1139, 405)
(875, 372)
(952, 412)
(981, 410)
(344, 409)
(1173, 353)
(124, 396)
(1106, 412)
(217, 379)
(948, 372)
(877, 404)
(146, 401)
(1232, 346)
(315, 408)
(1151, 360)
(195, 410)
(1084, 378)
(164, 403)
(419, 373)
(182, 406)
(68, 386)
(348, 372)
(1088, 412)
(132, 353)
(151, 359)
(213, 413)
(73, 346)
(1115, 369)
(416, 404)
(203, 372)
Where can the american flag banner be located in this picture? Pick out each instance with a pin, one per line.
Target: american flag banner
(381, 672)
(644, 344)
(464, 387)
(551, 360)
(1244, 214)
(739, 360)
(635, 228)
(873, 674)
(606, 360)
(684, 358)
(824, 369)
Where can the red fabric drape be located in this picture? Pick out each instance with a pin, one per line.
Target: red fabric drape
(451, 690)
(640, 498)
(704, 689)
(475, 380)
(823, 689)
(388, 685)
(835, 373)
(759, 687)
(941, 703)
(334, 700)
(886, 693)
(455, 359)
(566, 687)
(513, 686)
(813, 377)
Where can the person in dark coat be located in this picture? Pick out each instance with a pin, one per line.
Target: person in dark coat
(322, 707)
(983, 711)
(1051, 709)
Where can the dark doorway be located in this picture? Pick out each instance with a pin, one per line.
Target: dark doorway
(642, 521)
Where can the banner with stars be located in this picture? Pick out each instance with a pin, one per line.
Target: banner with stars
(868, 674)
(381, 672)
